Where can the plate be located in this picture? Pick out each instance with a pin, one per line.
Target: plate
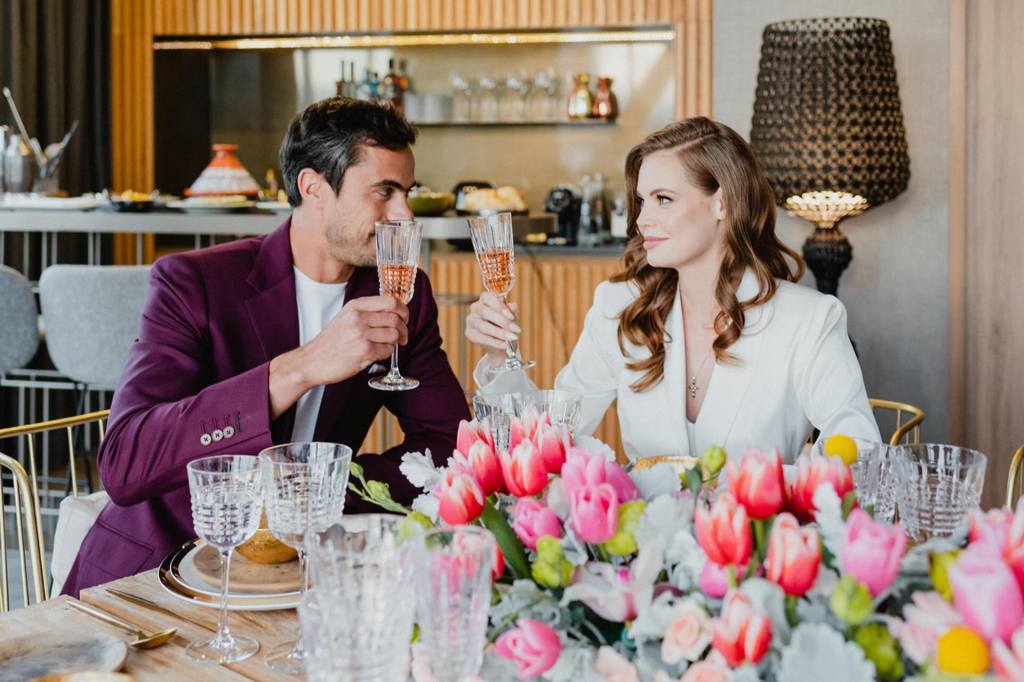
(178, 575)
(203, 206)
(26, 658)
(30, 202)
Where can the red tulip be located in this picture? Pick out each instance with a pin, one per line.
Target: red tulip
(460, 496)
(794, 554)
(724, 532)
(1013, 546)
(757, 483)
(742, 634)
(483, 461)
(811, 472)
(499, 563)
(470, 433)
(523, 469)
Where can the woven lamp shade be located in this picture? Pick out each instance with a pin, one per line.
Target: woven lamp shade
(827, 110)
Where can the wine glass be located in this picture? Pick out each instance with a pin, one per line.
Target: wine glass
(492, 241)
(398, 252)
(226, 503)
(305, 487)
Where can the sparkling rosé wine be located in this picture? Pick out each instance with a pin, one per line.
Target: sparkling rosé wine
(396, 279)
(496, 267)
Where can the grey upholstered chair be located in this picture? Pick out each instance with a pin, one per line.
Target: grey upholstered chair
(19, 328)
(91, 317)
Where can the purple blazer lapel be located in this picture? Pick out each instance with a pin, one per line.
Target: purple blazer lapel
(272, 306)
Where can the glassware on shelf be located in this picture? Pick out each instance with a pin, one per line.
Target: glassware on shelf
(226, 502)
(486, 101)
(398, 254)
(462, 102)
(304, 485)
(515, 96)
(495, 253)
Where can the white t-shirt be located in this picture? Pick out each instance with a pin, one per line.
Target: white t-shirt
(318, 303)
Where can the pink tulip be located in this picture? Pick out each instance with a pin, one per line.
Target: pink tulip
(499, 563)
(985, 592)
(811, 472)
(581, 469)
(594, 512)
(531, 521)
(483, 461)
(460, 496)
(993, 525)
(872, 551)
(714, 580)
(742, 633)
(1013, 546)
(625, 489)
(1009, 663)
(794, 555)
(533, 646)
(757, 483)
(470, 433)
(548, 440)
(724, 532)
(523, 469)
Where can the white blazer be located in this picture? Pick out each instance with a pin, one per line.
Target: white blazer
(797, 369)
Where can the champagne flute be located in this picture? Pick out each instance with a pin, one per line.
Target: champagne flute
(226, 501)
(495, 252)
(398, 253)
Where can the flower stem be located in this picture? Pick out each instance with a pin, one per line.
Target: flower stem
(731, 572)
(791, 616)
(759, 541)
(511, 547)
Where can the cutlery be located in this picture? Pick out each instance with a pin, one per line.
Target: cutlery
(143, 639)
(30, 141)
(153, 606)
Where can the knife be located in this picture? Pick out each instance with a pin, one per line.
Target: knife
(153, 606)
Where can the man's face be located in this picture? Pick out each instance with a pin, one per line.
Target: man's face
(373, 190)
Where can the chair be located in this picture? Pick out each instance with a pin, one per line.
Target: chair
(906, 432)
(91, 315)
(30, 503)
(1015, 478)
(19, 333)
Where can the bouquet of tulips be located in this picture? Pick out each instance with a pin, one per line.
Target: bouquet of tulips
(732, 570)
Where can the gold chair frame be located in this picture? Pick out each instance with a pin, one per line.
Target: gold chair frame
(1015, 477)
(912, 426)
(26, 498)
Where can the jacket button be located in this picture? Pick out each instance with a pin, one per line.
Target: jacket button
(229, 431)
(217, 435)
(205, 439)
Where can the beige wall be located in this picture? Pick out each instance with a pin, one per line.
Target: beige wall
(895, 290)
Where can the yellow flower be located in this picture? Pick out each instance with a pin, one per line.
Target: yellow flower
(842, 447)
(962, 651)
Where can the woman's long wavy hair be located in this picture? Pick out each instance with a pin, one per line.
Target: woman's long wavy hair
(714, 156)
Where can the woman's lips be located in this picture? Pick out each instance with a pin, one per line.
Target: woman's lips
(651, 242)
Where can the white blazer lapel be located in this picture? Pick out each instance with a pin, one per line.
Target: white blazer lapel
(730, 382)
(673, 385)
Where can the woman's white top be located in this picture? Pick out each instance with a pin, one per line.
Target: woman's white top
(796, 369)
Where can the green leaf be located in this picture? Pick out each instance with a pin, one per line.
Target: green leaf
(694, 480)
(508, 542)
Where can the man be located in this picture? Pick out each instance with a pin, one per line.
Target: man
(269, 340)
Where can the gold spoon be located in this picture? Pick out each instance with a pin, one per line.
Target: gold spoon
(143, 640)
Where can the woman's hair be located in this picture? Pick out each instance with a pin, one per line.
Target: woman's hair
(713, 156)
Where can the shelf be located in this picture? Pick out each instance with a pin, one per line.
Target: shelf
(589, 123)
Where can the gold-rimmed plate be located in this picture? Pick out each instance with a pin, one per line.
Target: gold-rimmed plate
(177, 575)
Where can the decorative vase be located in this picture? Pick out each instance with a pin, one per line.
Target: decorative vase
(581, 101)
(224, 175)
(606, 106)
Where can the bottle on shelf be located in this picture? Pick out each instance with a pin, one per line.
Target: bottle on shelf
(581, 101)
(367, 88)
(403, 77)
(606, 106)
(341, 85)
(390, 90)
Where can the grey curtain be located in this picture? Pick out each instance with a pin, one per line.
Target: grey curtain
(55, 57)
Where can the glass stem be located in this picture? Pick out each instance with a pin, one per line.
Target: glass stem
(223, 635)
(299, 648)
(512, 347)
(393, 373)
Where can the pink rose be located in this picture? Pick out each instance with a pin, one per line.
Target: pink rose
(523, 470)
(533, 646)
(706, 671)
(594, 512)
(461, 499)
(724, 531)
(613, 667)
(985, 592)
(531, 521)
(794, 555)
(688, 635)
(757, 483)
(872, 551)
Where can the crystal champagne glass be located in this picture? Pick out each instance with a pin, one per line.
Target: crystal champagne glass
(495, 252)
(226, 502)
(398, 253)
(305, 486)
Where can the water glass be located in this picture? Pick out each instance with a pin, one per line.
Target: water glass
(454, 596)
(398, 253)
(938, 486)
(874, 477)
(226, 502)
(305, 486)
(561, 407)
(358, 618)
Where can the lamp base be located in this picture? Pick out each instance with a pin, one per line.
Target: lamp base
(827, 252)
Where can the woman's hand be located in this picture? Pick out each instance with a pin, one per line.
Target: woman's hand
(492, 324)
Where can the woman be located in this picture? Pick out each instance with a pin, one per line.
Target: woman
(704, 338)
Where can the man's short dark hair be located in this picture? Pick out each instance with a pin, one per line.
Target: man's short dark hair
(328, 137)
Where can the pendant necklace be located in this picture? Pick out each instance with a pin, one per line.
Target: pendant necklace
(693, 379)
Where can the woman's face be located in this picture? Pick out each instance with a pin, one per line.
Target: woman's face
(680, 223)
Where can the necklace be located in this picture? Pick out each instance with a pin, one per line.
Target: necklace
(692, 386)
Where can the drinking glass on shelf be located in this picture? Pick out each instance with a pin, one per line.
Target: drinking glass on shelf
(304, 486)
(938, 486)
(454, 595)
(398, 253)
(226, 503)
(495, 252)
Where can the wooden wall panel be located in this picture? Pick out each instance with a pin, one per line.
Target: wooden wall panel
(994, 240)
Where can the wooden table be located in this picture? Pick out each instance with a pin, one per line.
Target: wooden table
(168, 662)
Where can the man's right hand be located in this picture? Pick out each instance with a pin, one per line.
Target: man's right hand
(365, 331)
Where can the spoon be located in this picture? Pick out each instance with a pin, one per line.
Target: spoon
(143, 640)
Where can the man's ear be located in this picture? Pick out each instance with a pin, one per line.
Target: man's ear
(311, 185)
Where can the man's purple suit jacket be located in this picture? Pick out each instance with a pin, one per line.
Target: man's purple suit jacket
(212, 322)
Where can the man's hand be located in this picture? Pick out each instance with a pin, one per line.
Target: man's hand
(365, 331)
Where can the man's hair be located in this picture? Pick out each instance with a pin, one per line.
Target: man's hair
(328, 137)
